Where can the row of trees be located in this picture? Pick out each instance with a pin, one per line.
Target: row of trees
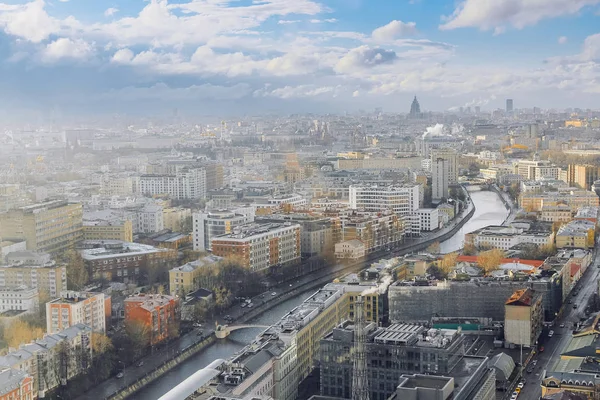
(488, 261)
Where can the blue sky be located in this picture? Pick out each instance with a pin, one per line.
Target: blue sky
(252, 56)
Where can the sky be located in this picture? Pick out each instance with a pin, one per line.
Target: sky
(259, 56)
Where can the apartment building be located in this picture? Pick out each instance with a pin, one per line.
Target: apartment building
(572, 197)
(558, 213)
(429, 219)
(16, 385)
(159, 313)
(46, 276)
(375, 230)
(524, 317)
(108, 230)
(440, 177)
(402, 200)
(210, 224)
(578, 234)
(352, 249)
(505, 237)
(19, 298)
(126, 262)
(451, 158)
(72, 308)
(54, 359)
(261, 246)
(112, 185)
(185, 278)
(583, 175)
(149, 219)
(186, 183)
(174, 218)
(52, 227)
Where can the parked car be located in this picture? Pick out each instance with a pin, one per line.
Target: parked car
(514, 396)
(120, 375)
(521, 385)
(562, 325)
(551, 333)
(140, 364)
(273, 294)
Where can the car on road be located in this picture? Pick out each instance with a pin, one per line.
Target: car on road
(541, 349)
(534, 362)
(529, 370)
(520, 385)
(120, 375)
(562, 325)
(243, 305)
(140, 364)
(273, 294)
(514, 396)
(574, 305)
(551, 333)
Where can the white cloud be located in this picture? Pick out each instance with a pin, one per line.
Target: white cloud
(122, 56)
(393, 30)
(161, 91)
(288, 21)
(28, 21)
(321, 21)
(498, 14)
(301, 91)
(364, 57)
(65, 48)
(562, 40)
(111, 11)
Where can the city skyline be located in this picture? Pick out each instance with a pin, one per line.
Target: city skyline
(297, 56)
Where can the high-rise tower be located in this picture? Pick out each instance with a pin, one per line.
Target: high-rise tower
(415, 109)
(360, 382)
(509, 105)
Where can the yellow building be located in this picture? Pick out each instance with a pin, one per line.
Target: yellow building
(572, 197)
(524, 317)
(52, 226)
(583, 175)
(105, 230)
(577, 234)
(50, 279)
(574, 123)
(186, 278)
(174, 218)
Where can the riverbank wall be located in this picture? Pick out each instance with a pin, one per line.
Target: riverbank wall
(161, 370)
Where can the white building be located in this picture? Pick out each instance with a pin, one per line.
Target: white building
(149, 219)
(440, 179)
(429, 219)
(76, 308)
(187, 183)
(426, 164)
(350, 249)
(214, 223)
(505, 237)
(403, 200)
(20, 298)
(451, 156)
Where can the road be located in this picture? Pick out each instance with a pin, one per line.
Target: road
(585, 288)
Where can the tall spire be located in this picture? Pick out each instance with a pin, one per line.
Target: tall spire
(415, 109)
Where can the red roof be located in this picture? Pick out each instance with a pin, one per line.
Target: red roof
(473, 259)
(575, 269)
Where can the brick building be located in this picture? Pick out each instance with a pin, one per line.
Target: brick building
(160, 313)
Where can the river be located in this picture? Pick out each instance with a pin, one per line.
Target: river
(220, 349)
(489, 210)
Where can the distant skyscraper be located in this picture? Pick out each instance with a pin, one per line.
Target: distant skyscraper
(477, 110)
(415, 109)
(509, 105)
